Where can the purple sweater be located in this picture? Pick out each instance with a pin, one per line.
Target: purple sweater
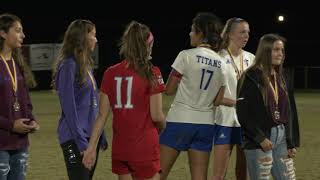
(10, 140)
(78, 110)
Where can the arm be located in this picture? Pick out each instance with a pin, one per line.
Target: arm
(173, 82)
(218, 100)
(33, 123)
(104, 110)
(156, 111)
(228, 102)
(294, 123)
(19, 125)
(176, 73)
(246, 103)
(65, 87)
(292, 127)
(221, 100)
(29, 106)
(89, 155)
(5, 123)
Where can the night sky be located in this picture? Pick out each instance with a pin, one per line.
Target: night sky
(170, 25)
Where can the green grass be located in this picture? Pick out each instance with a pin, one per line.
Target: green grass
(46, 160)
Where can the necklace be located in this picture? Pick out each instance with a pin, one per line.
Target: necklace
(94, 99)
(275, 93)
(238, 71)
(14, 81)
(204, 45)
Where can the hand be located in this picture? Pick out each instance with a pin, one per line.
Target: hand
(21, 126)
(89, 157)
(292, 152)
(161, 126)
(34, 126)
(266, 145)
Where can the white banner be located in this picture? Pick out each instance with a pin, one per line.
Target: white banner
(56, 50)
(42, 56)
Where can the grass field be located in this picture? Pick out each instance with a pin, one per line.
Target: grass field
(46, 161)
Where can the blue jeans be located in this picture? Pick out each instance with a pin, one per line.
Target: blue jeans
(276, 161)
(13, 164)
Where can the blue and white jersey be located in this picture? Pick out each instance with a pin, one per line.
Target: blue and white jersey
(227, 116)
(203, 74)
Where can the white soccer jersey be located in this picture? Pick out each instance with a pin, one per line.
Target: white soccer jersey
(227, 116)
(203, 74)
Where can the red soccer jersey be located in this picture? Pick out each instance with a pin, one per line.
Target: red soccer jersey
(135, 137)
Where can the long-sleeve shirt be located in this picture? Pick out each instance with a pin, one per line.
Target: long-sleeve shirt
(79, 105)
(254, 115)
(10, 140)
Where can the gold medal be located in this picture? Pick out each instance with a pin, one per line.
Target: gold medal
(94, 102)
(276, 115)
(16, 105)
(14, 80)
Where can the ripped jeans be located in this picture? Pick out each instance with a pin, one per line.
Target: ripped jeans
(13, 164)
(276, 161)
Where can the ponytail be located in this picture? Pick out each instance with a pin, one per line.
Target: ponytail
(135, 47)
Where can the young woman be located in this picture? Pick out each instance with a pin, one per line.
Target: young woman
(235, 36)
(263, 109)
(132, 90)
(73, 79)
(198, 79)
(16, 119)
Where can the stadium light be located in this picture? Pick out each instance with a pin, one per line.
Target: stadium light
(280, 18)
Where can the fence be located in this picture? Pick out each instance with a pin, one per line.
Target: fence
(307, 77)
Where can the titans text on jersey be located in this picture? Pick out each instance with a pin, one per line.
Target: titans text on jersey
(208, 61)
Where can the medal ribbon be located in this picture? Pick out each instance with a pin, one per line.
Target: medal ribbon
(239, 72)
(13, 76)
(275, 90)
(92, 80)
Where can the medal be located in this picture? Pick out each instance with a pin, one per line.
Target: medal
(16, 105)
(94, 102)
(13, 77)
(276, 115)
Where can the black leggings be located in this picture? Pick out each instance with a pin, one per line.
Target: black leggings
(73, 160)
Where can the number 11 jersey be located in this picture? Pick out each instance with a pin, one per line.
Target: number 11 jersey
(135, 137)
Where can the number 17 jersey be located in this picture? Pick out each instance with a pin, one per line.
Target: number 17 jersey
(203, 74)
(135, 137)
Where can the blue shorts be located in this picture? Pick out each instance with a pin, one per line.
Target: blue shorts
(227, 135)
(185, 136)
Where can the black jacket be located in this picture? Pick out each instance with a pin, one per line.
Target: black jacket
(254, 115)
(294, 121)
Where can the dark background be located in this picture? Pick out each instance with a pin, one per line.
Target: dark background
(170, 21)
